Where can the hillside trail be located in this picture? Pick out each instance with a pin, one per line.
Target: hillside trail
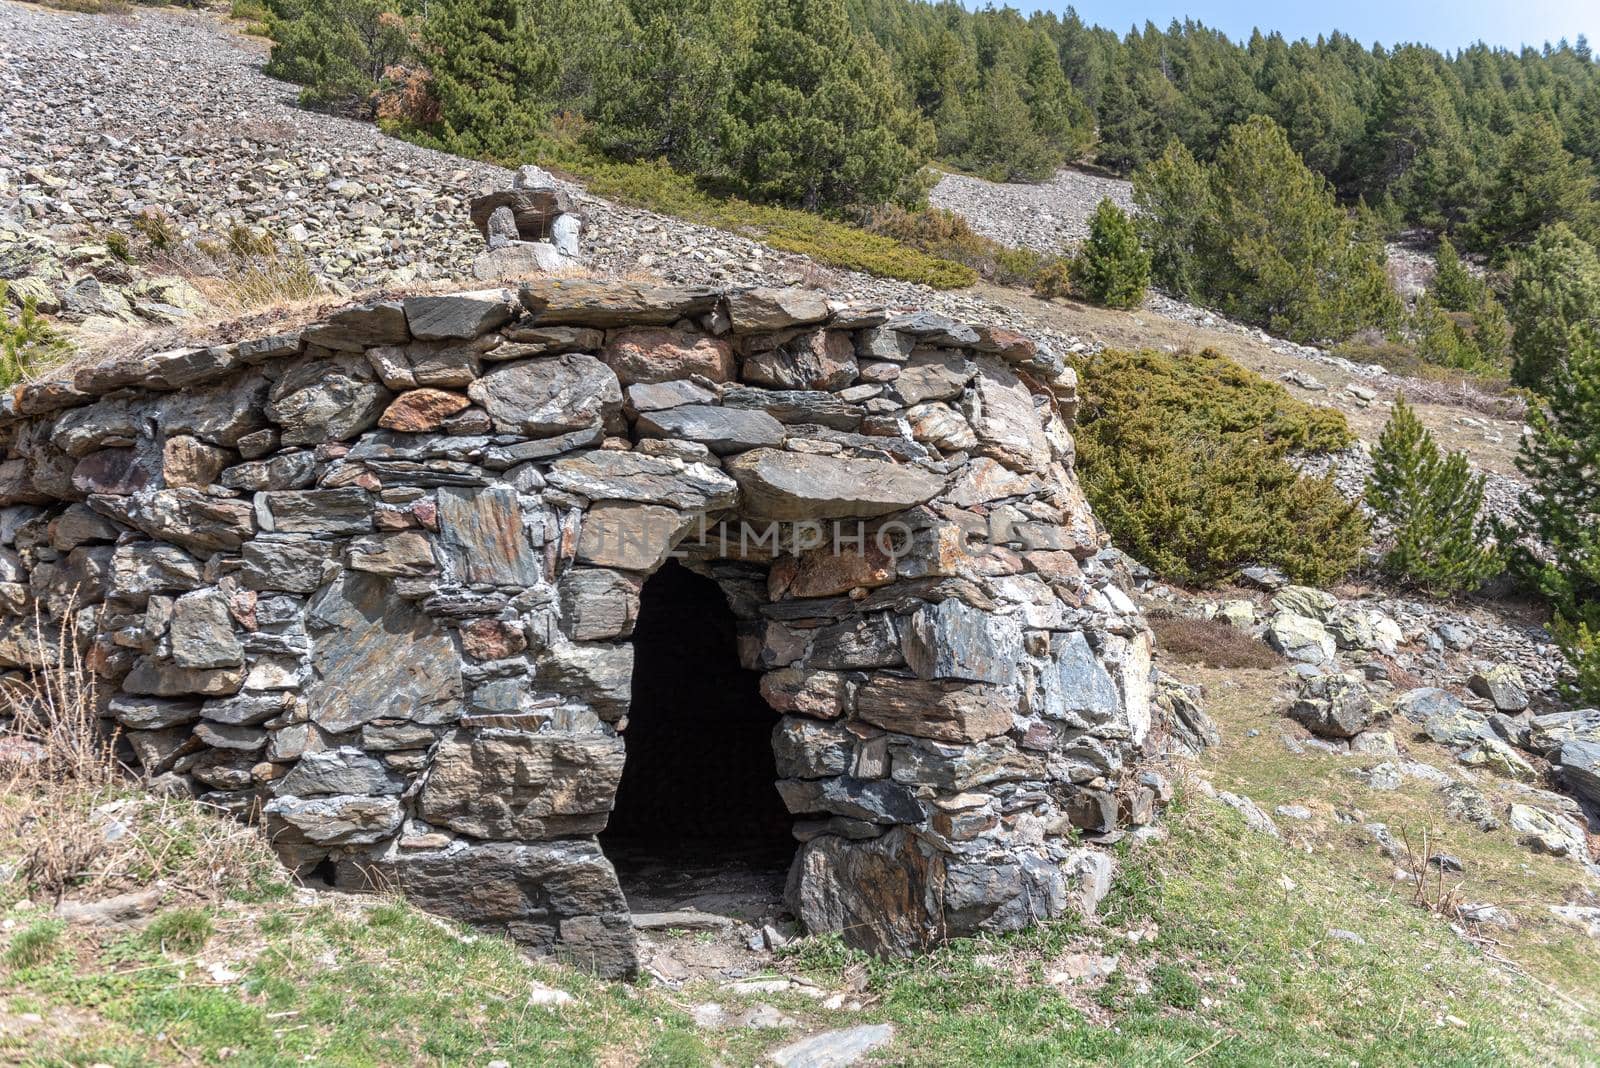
(104, 116)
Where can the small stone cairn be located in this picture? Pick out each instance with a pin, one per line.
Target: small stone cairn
(531, 228)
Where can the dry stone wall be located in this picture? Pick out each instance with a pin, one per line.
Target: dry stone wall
(372, 582)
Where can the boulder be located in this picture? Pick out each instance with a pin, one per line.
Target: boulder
(761, 310)
(344, 770)
(1496, 756)
(162, 678)
(657, 354)
(522, 786)
(402, 553)
(1002, 414)
(549, 395)
(1580, 769)
(1546, 832)
(347, 510)
(557, 897)
(1300, 638)
(419, 410)
(202, 632)
(329, 821)
(360, 326)
(186, 517)
(592, 673)
(1333, 706)
(817, 359)
(586, 302)
(630, 536)
(484, 538)
(459, 315)
(1421, 704)
(722, 430)
(1075, 688)
(789, 486)
(597, 603)
(1306, 601)
(607, 475)
(932, 375)
(356, 624)
(658, 396)
(809, 749)
(869, 800)
(833, 1049)
(1502, 686)
(954, 712)
(326, 400)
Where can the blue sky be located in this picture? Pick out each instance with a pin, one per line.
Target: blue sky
(1510, 23)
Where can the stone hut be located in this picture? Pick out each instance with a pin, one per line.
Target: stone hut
(376, 582)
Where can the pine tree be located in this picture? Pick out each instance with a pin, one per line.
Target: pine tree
(1431, 502)
(1111, 268)
(1539, 184)
(819, 122)
(666, 88)
(1453, 286)
(1002, 142)
(1561, 511)
(1280, 251)
(492, 73)
(1174, 199)
(337, 49)
(1555, 285)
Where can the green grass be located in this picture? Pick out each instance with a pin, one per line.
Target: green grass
(1498, 869)
(1221, 934)
(33, 944)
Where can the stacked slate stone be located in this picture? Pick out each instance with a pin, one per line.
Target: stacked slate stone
(531, 228)
(373, 582)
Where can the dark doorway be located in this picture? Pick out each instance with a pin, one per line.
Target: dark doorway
(697, 800)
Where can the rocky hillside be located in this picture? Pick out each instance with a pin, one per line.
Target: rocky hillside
(1376, 718)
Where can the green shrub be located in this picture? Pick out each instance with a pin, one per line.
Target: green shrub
(1054, 281)
(948, 236)
(1206, 390)
(118, 245)
(1185, 460)
(27, 342)
(1431, 501)
(1111, 268)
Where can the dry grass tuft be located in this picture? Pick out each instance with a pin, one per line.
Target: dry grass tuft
(1426, 870)
(1213, 643)
(72, 819)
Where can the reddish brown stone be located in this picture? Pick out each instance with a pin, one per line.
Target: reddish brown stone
(808, 693)
(420, 410)
(187, 461)
(657, 354)
(491, 639)
(1011, 346)
(825, 572)
(948, 712)
(115, 471)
